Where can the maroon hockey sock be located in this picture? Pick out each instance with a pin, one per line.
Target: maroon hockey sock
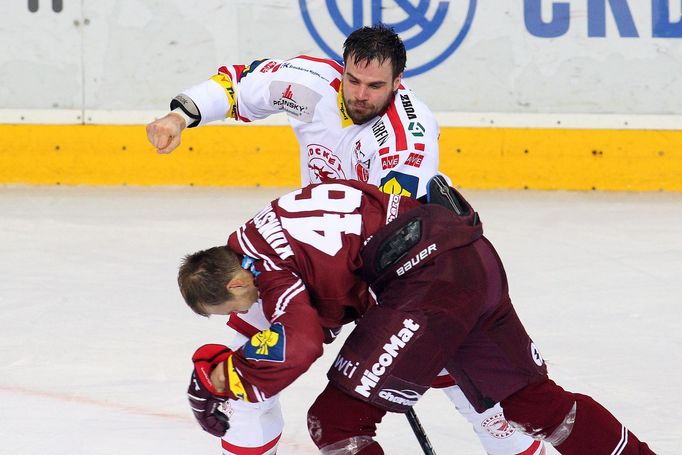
(597, 431)
(546, 411)
(336, 417)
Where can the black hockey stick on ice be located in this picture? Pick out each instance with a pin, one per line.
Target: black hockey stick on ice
(419, 432)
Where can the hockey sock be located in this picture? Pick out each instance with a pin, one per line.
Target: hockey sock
(575, 424)
(336, 417)
(596, 430)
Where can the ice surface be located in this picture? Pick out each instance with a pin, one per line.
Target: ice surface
(95, 340)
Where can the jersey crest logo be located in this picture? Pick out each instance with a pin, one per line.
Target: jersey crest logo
(323, 165)
(269, 345)
(432, 30)
(399, 183)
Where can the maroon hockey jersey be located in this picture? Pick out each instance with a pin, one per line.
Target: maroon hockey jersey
(305, 248)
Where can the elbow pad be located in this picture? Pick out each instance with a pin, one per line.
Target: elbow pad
(186, 106)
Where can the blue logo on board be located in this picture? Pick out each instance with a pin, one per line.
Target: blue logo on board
(442, 24)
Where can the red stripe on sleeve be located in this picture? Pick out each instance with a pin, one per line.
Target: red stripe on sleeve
(400, 138)
(331, 63)
(231, 448)
(241, 326)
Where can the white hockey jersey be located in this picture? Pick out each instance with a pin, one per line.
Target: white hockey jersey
(397, 151)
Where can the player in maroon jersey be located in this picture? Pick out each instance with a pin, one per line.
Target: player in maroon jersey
(317, 256)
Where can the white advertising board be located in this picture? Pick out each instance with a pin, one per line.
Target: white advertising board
(86, 57)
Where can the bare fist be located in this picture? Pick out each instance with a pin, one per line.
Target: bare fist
(164, 133)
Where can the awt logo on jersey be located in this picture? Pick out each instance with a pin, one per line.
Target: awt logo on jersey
(345, 367)
(396, 343)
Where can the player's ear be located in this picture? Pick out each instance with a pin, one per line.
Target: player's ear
(241, 279)
(397, 81)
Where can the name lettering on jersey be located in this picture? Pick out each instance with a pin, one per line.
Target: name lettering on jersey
(407, 105)
(396, 343)
(416, 259)
(345, 367)
(296, 100)
(401, 397)
(380, 132)
(269, 227)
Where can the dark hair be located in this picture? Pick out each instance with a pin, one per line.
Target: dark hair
(203, 277)
(377, 42)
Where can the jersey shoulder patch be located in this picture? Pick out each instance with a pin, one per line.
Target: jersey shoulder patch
(268, 345)
(398, 183)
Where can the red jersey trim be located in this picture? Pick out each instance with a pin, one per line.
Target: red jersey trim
(250, 450)
(241, 326)
(400, 137)
(444, 381)
(331, 63)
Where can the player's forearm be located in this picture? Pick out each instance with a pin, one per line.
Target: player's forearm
(203, 103)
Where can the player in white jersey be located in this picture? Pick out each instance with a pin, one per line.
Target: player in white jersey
(357, 121)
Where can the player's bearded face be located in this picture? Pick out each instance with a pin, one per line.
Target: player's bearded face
(368, 88)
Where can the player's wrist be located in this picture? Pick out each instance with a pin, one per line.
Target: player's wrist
(217, 377)
(182, 119)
